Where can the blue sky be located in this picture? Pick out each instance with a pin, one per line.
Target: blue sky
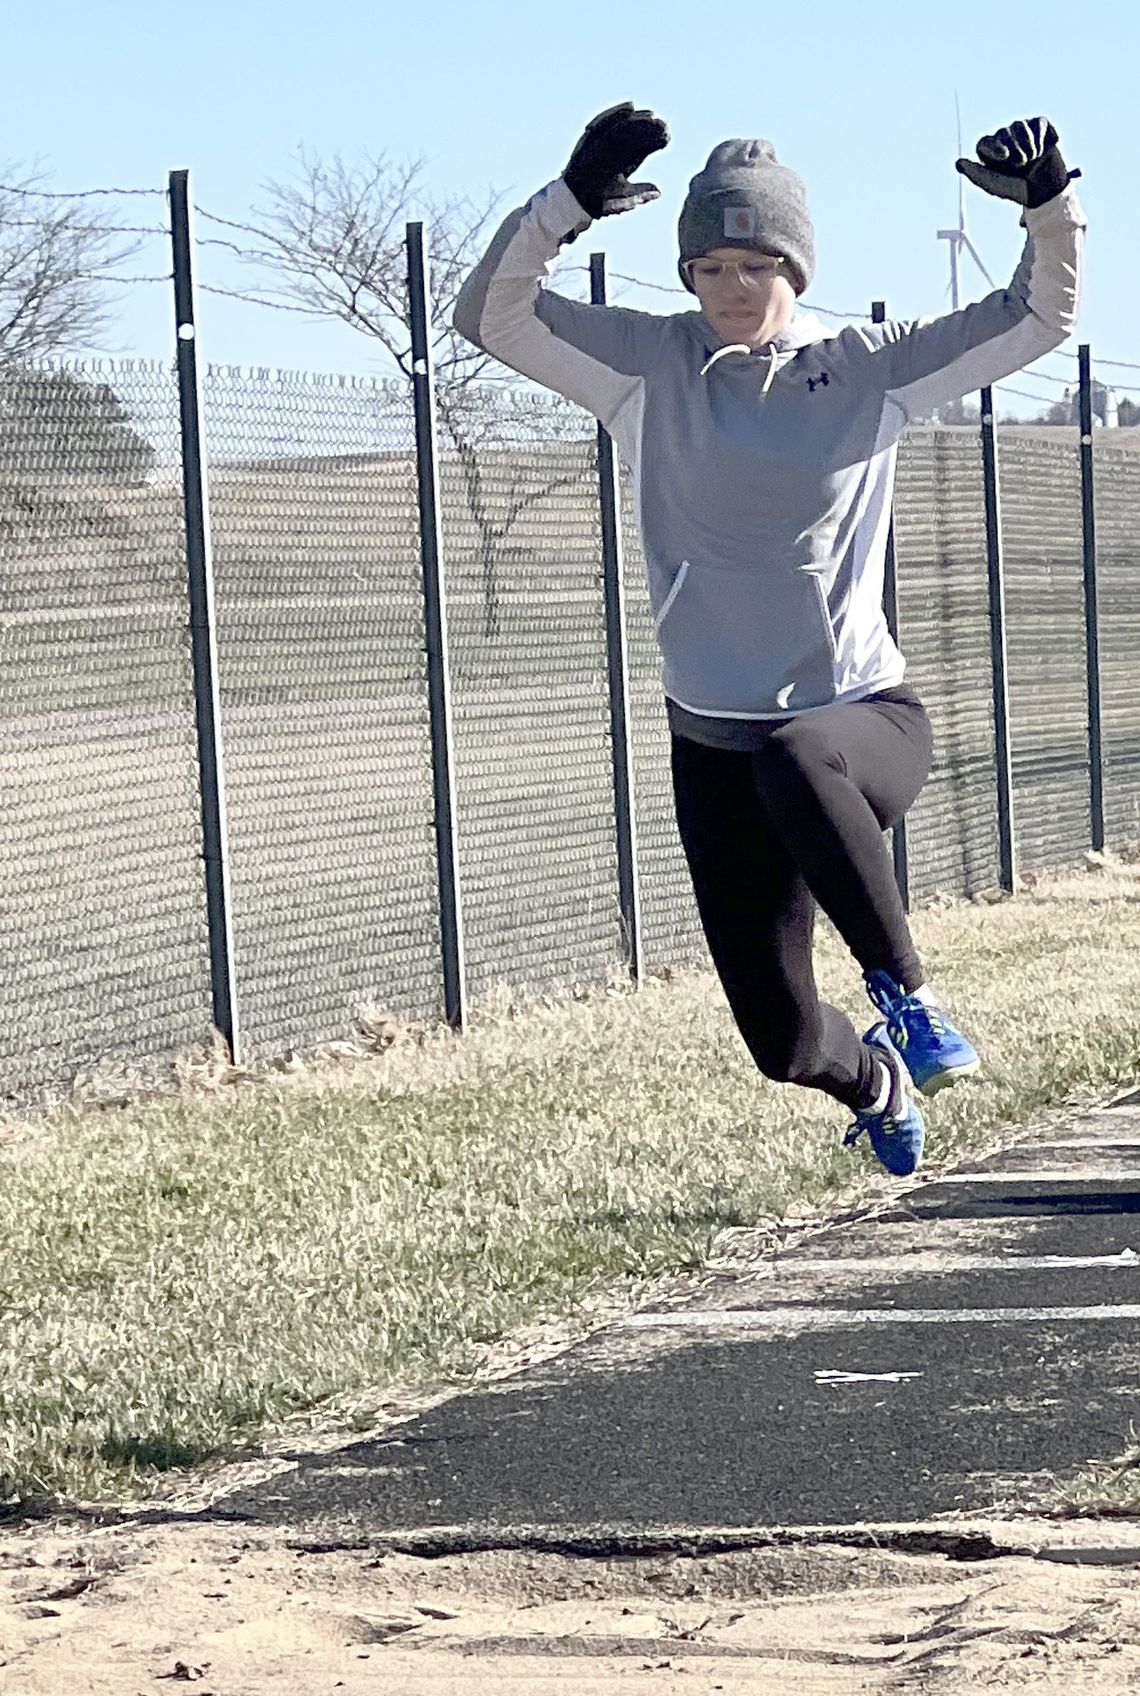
(858, 99)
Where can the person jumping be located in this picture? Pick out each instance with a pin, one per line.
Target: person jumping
(762, 450)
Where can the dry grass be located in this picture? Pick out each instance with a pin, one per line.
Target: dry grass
(182, 1273)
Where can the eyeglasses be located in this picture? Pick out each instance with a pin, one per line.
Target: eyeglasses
(750, 271)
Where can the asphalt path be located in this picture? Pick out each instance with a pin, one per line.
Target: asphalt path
(953, 1353)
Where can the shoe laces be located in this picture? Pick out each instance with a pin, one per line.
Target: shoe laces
(906, 1010)
(886, 1123)
(921, 1014)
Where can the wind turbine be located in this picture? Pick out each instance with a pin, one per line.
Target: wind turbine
(958, 239)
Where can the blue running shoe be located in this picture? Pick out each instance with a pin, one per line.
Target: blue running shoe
(897, 1133)
(934, 1053)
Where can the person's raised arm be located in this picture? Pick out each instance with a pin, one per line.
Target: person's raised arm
(591, 354)
(933, 361)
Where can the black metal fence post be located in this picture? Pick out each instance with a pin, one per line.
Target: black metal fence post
(899, 848)
(1092, 622)
(203, 639)
(1003, 761)
(435, 628)
(618, 670)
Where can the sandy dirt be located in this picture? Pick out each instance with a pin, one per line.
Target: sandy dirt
(142, 1607)
(153, 1604)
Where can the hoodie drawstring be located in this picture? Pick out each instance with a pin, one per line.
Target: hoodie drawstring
(731, 347)
(742, 347)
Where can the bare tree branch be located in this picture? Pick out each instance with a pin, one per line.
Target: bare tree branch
(54, 254)
(334, 238)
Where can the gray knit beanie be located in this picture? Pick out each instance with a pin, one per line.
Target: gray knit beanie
(745, 198)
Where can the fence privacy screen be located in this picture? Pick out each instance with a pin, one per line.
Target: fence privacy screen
(325, 726)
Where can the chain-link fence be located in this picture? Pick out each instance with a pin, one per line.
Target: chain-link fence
(519, 511)
(326, 731)
(102, 911)
(1118, 572)
(323, 701)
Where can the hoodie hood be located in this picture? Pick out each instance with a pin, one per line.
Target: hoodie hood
(804, 330)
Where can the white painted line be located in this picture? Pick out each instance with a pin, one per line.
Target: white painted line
(934, 1260)
(1084, 1142)
(832, 1318)
(1066, 1175)
(831, 1376)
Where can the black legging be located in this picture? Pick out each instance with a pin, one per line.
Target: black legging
(771, 833)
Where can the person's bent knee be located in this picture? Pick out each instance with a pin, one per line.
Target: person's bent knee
(793, 756)
(797, 1062)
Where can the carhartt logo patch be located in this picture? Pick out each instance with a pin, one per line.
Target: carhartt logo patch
(740, 222)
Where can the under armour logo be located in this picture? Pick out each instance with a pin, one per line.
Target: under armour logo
(813, 382)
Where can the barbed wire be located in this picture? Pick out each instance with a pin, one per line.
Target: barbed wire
(111, 277)
(1008, 389)
(1060, 353)
(1047, 377)
(1072, 385)
(216, 241)
(672, 289)
(267, 256)
(256, 300)
(96, 229)
(1097, 359)
(830, 312)
(31, 193)
(1048, 400)
(620, 277)
(227, 223)
(78, 193)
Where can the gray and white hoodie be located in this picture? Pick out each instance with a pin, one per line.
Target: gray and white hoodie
(762, 480)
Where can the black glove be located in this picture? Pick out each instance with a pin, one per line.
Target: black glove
(614, 145)
(1021, 162)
